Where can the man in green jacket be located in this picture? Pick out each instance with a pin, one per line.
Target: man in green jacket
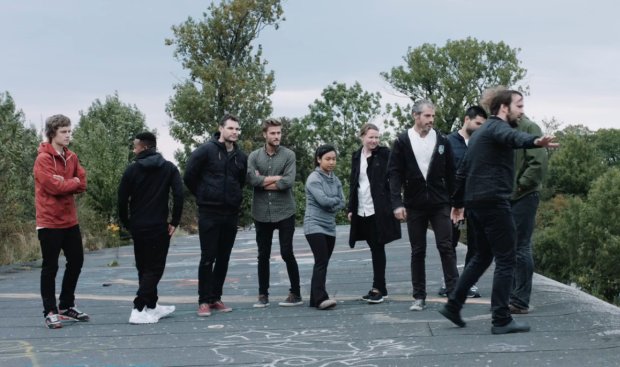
(530, 169)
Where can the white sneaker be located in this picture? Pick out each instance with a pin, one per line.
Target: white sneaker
(418, 305)
(162, 311)
(142, 317)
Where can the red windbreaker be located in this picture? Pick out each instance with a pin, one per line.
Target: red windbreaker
(54, 202)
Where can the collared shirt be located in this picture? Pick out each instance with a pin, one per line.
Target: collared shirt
(272, 205)
(423, 148)
(365, 205)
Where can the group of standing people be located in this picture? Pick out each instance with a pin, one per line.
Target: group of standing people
(419, 180)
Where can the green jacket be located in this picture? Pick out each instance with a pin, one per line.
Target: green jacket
(530, 164)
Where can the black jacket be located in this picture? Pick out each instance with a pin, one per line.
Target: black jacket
(404, 173)
(216, 177)
(388, 227)
(145, 188)
(486, 175)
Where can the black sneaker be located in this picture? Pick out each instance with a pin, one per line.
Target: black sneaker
(455, 317)
(443, 292)
(73, 314)
(374, 296)
(292, 300)
(473, 292)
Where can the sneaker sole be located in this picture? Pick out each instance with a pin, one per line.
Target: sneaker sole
(374, 302)
(285, 304)
(142, 322)
(262, 305)
(53, 326)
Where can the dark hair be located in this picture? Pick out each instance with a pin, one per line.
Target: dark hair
(147, 139)
(474, 111)
(366, 127)
(228, 117)
(53, 123)
(321, 151)
(503, 97)
(269, 123)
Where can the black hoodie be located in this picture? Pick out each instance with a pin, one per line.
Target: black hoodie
(145, 188)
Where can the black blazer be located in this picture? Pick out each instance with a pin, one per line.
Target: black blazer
(388, 227)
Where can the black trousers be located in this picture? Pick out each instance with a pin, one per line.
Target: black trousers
(322, 247)
(150, 249)
(217, 234)
(368, 228)
(52, 241)
(417, 224)
(264, 237)
(496, 237)
(471, 240)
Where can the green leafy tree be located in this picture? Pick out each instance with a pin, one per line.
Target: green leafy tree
(574, 166)
(336, 118)
(18, 150)
(227, 74)
(607, 142)
(453, 76)
(103, 140)
(579, 238)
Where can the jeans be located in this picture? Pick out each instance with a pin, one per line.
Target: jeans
(417, 224)
(264, 236)
(524, 213)
(150, 250)
(52, 240)
(495, 232)
(367, 226)
(217, 234)
(322, 247)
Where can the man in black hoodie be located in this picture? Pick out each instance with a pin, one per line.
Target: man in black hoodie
(144, 190)
(215, 174)
(421, 166)
(484, 185)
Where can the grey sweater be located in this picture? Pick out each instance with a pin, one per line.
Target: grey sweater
(324, 197)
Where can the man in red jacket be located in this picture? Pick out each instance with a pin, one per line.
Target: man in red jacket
(58, 175)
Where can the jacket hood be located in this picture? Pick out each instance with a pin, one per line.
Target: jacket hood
(150, 159)
(48, 148)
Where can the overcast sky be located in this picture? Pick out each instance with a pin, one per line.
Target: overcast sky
(58, 57)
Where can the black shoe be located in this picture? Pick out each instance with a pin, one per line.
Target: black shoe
(512, 327)
(518, 310)
(443, 292)
(455, 317)
(374, 296)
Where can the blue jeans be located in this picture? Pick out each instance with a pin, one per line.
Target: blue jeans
(495, 233)
(524, 213)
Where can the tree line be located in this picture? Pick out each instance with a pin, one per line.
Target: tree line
(577, 237)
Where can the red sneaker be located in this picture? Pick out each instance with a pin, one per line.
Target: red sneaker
(220, 306)
(204, 310)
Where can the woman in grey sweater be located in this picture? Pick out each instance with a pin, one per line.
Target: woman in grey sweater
(324, 197)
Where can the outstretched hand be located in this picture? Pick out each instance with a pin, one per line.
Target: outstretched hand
(546, 141)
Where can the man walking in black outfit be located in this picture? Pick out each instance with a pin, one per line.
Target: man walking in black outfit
(484, 185)
(215, 174)
(144, 189)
